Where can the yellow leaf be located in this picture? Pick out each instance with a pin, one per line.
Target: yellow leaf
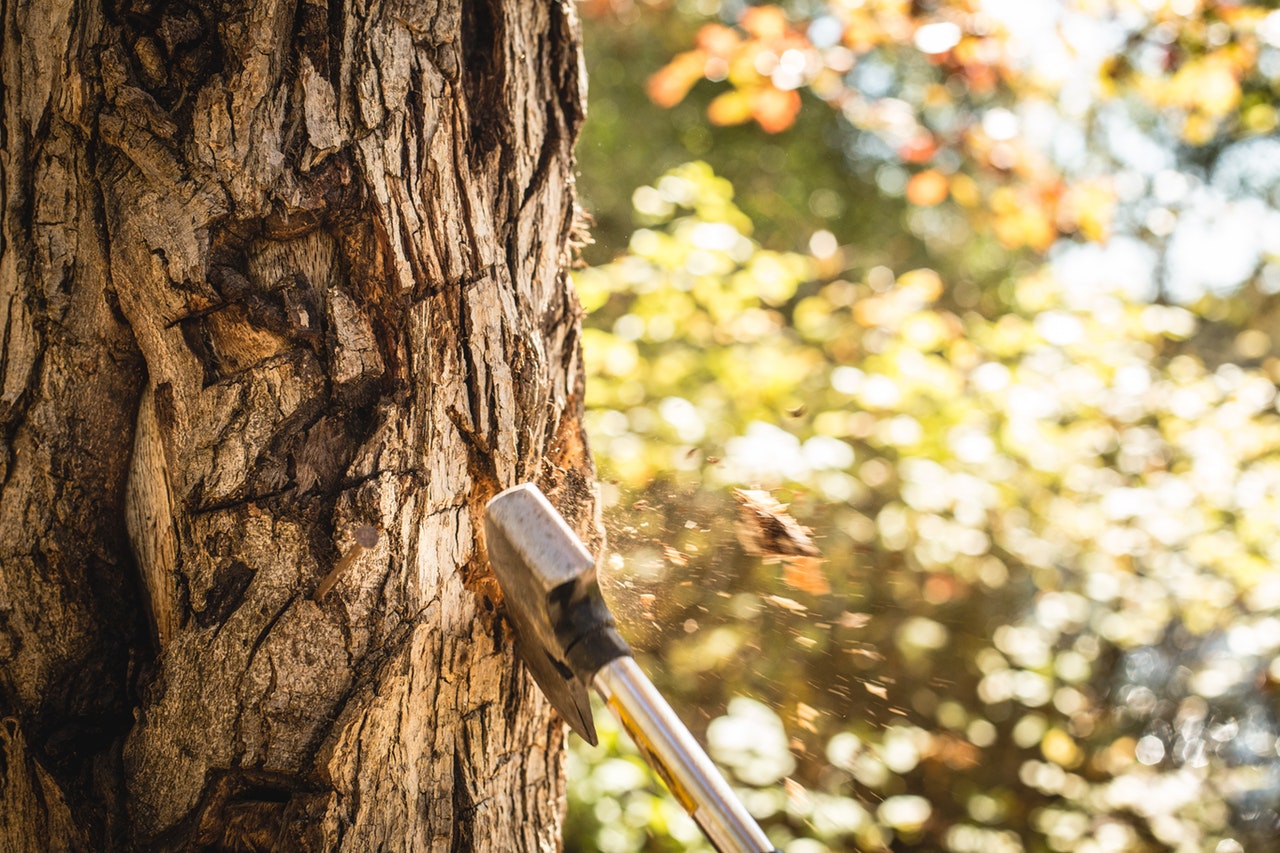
(1209, 85)
(1199, 129)
(924, 284)
(1261, 118)
(964, 190)
(1088, 208)
(1061, 749)
(732, 107)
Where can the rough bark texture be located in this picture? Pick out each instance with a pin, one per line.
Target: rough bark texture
(271, 271)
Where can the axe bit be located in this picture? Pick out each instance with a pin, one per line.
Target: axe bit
(565, 634)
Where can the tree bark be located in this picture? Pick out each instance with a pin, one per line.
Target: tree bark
(271, 272)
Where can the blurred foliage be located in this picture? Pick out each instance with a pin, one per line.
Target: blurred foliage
(933, 83)
(1047, 617)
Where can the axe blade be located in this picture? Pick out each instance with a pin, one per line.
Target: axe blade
(533, 553)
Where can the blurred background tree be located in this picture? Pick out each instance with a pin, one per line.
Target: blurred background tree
(983, 293)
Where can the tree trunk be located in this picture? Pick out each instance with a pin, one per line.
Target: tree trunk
(269, 273)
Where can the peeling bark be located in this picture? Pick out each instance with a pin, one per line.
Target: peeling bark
(270, 273)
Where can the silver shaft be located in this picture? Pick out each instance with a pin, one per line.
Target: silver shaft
(673, 752)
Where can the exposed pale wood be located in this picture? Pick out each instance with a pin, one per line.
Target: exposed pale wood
(34, 817)
(149, 521)
(282, 275)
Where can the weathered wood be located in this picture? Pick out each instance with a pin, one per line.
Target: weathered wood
(271, 272)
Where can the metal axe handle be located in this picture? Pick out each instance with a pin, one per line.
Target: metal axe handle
(671, 750)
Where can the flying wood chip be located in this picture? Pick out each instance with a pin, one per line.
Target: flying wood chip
(805, 574)
(766, 530)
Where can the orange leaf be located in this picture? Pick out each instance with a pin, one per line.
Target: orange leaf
(764, 22)
(918, 149)
(718, 40)
(927, 188)
(732, 107)
(670, 83)
(775, 109)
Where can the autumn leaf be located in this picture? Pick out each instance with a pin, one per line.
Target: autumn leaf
(965, 191)
(718, 40)
(1088, 207)
(927, 188)
(732, 107)
(668, 85)
(764, 22)
(773, 109)
(1209, 85)
(919, 148)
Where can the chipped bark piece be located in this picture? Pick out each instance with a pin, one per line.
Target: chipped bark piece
(150, 61)
(673, 556)
(849, 619)
(356, 354)
(179, 26)
(149, 520)
(766, 530)
(805, 574)
(29, 789)
(320, 113)
(786, 603)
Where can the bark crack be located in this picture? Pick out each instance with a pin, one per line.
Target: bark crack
(463, 805)
(262, 637)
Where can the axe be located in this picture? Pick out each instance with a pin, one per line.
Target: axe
(565, 634)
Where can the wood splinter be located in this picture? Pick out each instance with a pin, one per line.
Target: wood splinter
(366, 537)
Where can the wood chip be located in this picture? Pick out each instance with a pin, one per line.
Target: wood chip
(766, 530)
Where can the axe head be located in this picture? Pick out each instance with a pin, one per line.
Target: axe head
(541, 565)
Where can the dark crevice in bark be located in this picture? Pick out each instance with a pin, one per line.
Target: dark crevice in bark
(370, 668)
(565, 58)
(227, 593)
(195, 509)
(170, 50)
(15, 416)
(248, 809)
(290, 493)
(463, 804)
(484, 76)
(310, 37)
(415, 150)
(335, 22)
